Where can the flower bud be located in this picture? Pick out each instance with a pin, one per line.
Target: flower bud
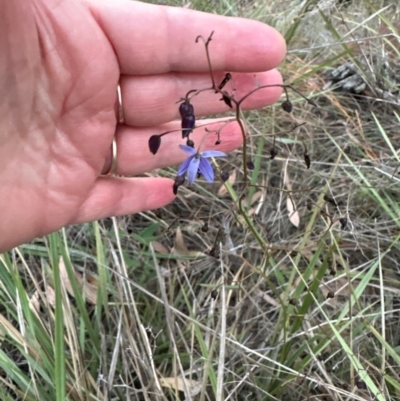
(186, 109)
(187, 125)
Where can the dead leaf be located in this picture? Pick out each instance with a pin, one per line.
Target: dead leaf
(294, 215)
(256, 196)
(90, 290)
(159, 247)
(179, 243)
(34, 301)
(222, 191)
(178, 383)
(270, 300)
(180, 247)
(50, 295)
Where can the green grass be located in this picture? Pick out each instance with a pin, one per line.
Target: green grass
(286, 313)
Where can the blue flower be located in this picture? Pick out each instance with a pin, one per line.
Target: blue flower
(197, 162)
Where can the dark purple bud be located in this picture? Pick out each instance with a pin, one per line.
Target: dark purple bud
(287, 106)
(330, 294)
(186, 109)
(190, 143)
(307, 160)
(179, 180)
(154, 143)
(205, 227)
(343, 222)
(273, 152)
(361, 384)
(250, 165)
(227, 100)
(218, 141)
(224, 176)
(187, 125)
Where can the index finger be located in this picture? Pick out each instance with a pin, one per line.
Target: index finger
(150, 39)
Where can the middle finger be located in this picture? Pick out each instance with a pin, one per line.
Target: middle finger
(152, 100)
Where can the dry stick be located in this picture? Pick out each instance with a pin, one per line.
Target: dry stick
(206, 43)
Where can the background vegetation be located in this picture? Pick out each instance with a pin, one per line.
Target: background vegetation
(135, 308)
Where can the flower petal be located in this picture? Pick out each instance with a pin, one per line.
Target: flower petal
(212, 153)
(188, 149)
(193, 168)
(206, 169)
(185, 165)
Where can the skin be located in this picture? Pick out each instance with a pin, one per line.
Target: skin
(60, 64)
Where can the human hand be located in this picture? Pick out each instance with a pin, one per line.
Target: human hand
(60, 64)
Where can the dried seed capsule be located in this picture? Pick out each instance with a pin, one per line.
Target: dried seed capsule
(154, 143)
(287, 106)
(307, 160)
(273, 152)
(224, 176)
(186, 109)
(226, 79)
(250, 165)
(188, 123)
(179, 180)
(190, 143)
(227, 100)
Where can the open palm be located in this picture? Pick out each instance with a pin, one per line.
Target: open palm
(60, 64)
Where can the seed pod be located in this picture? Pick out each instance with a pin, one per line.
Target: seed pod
(188, 123)
(343, 222)
(154, 143)
(287, 106)
(204, 228)
(186, 109)
(226, 79)
(227, 100)
(330, 294)
(250, 165)
(273, 152)
(224, 176)
(361, 384)
(190, 143)
(307, 160)
(179, 180)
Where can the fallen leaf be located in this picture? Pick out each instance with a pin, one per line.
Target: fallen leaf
(50, 295)
(90, 290)
(180, 247)
(159, 247)
(34, 301)
(179, 243)
(294, 215)
(178, 383)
